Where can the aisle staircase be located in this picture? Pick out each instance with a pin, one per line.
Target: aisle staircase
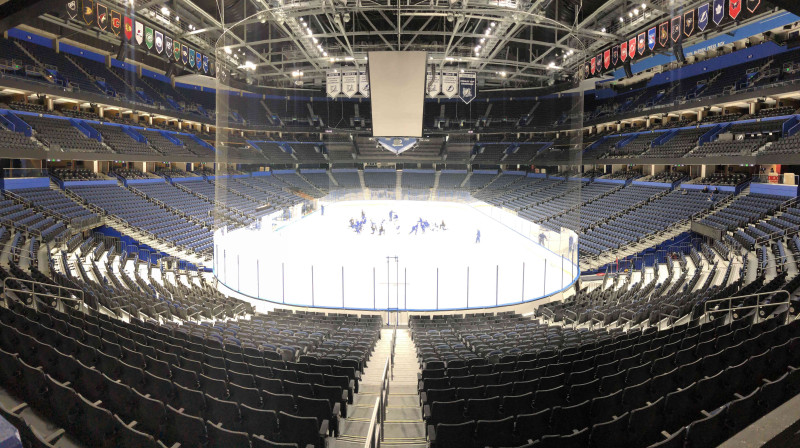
(403, 425)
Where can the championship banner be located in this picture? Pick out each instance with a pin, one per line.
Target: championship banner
(606, 58)
(467, 86)
(734, 8)
(651, 38)
(139, 32)
(433, 83)
(191, 57)
(72, 9)
(594, 65)
(363, 84)
(116, 22)
(333, 83)
(159, 42)
(623, 51)
(450, 84)
(205, 63)
(702, 17)
(148, 37)
(198, 60)
(350, 83)
(676, 28)
(184, 54)
(87, 8)
(632, 48)
(102, 16)
(176, 51)
(615, 55)
(719, 11)
(168, 46)
(128, 28)
(688, 23)
(663, 34)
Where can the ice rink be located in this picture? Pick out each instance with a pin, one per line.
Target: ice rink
(319, 260)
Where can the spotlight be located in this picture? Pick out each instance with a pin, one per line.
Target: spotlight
(164, 11)
(450, 17)
(346, 17)
(603, 30)
(621, 19)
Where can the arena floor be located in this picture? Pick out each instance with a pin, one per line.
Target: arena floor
(351, 270)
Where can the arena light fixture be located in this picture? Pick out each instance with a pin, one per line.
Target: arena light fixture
(297, 73)
(164, 11)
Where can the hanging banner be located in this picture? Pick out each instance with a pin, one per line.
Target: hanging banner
(116, 22)
(333, 83)
(87, 6)
(191, 57)
(433, 83)
(676, 28)
(734, 8)
(683, 25)
(176, 51)
(468, 86)
(688, 23)
(719, 11)
(587, 69)
(651, 38)
(139, 32)
(159, 42)
(128, 28)
(642, 43)
(594, 65)
(663, 34)
(168, 46)
(615, 55)
(450, 84)
(72, 9)
(184, 54)
(102, 16)
(211, 69)
(350, 83)
(148, 37)
(199, 60)
(606, 59)
(205, 63)
(363, 84)
(702, 17)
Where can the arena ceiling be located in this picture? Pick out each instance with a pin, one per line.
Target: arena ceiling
(510, 43)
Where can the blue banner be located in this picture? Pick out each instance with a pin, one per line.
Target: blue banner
(467, 86)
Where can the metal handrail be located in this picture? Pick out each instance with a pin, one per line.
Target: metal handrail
(375, 435)
(730, 300)
(7, 289)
